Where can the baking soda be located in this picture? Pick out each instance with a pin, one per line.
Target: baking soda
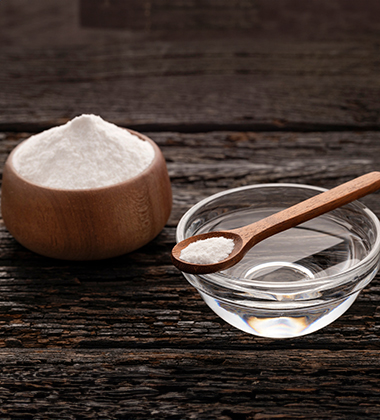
(208, 251)
(87, 152)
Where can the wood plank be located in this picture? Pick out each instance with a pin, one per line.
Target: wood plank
(195, 87)
(234, 93)
(22, 22)
(189, 81)
(141, 384)
(140, 300)
(200, 164)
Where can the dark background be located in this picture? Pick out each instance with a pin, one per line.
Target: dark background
(234, 92)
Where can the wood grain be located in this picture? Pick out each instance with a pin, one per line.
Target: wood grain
(190, 86)
(137, 384)
(234, 93)
(287, 70)
(129, 338)
(131, 288)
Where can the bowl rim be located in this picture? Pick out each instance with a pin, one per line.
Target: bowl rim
(246, 285)
(156, 157)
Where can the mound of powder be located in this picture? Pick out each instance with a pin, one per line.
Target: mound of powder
(208, 251)
(87, 152)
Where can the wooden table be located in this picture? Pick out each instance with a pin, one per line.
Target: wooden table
(234, 93)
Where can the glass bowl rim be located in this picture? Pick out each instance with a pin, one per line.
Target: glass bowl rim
(232, 282)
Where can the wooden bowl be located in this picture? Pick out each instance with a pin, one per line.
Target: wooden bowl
(87, 224)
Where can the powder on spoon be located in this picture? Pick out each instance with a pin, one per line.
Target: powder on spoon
(208, 251)
(87, 152)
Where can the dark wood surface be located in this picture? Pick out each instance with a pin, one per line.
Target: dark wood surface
(234, 93)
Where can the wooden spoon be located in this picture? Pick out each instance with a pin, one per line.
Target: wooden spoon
(248, 236)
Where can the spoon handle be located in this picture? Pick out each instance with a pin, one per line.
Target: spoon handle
(310, 208)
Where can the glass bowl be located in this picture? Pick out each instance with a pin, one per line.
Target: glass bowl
(295, 282)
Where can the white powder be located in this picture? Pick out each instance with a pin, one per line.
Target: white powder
(87, 152)
(208, 251)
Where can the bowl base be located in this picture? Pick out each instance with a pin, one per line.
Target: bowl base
(273, 323)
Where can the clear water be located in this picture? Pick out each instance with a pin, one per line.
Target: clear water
(322, 247)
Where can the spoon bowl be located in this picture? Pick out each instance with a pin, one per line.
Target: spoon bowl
(235, 256)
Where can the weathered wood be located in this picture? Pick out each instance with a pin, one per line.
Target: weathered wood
(140, 300)
(201, 164)
(189, 81)
(190, 86)
(129, 338)
(290, 19)
(141, 384)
